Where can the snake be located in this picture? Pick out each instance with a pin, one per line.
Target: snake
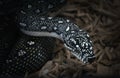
(38, 35)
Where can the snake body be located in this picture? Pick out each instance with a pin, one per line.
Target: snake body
(35, 47)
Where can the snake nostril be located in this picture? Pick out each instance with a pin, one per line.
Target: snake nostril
(90, 60)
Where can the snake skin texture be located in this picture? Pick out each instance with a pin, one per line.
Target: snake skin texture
(11, 6)
(40, 7)
(28, 55)
(35, 47)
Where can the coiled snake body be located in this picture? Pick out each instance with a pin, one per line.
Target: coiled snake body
(35, 47)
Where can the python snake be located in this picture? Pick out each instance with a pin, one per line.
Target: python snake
(39, 32)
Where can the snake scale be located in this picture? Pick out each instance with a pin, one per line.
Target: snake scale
(35, 47)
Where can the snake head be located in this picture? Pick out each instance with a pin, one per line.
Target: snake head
(78, 41)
